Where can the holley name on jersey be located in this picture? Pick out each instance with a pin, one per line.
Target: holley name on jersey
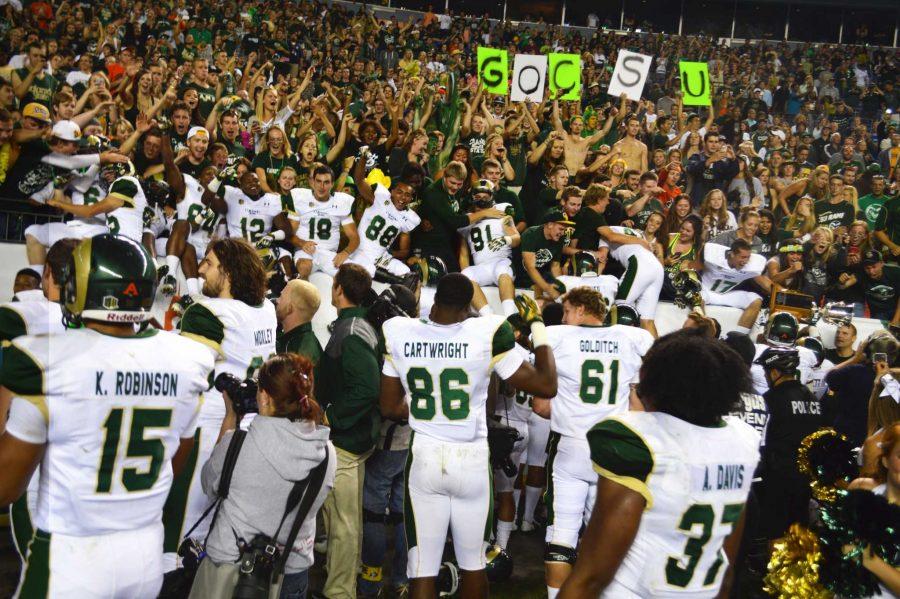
(136, 384)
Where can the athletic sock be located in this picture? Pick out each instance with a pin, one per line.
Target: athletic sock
(532, 495)
(743, 330)
(504, 529)
(509, 307)
(485, 310)
(193, 286)
(172, 263)
(517, 495)
(552, 593)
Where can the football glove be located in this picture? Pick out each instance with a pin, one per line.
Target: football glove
(528, 309)
(168, 285)
(264, 242)
(495, 245)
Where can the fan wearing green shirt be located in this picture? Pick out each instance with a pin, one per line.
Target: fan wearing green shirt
(870, 206)
(542, 254)
(887, 228)
(298, 303)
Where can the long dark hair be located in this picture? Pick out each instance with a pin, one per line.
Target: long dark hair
(288, 379)
(244, 269)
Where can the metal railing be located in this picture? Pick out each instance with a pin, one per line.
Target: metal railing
(18, 215)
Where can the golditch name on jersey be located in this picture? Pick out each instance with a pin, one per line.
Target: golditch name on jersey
(436, 349)
(600, 346)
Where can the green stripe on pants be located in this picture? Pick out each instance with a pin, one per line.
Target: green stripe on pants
(36, 583)
(409, 518)
(627, 279)
(552, 443)
(20, 520)
(489, 523)
(175, 509)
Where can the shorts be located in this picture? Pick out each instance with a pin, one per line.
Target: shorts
(571, 489)
(385, 261)
(322, 260)
(119, 564)
(538, 433)
(187, 501)
(503, 483)
(641, 285)
(49, 233)
(448, 488)
(733, 299)
(490, 272)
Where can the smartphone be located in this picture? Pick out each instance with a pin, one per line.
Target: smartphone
(880, 357)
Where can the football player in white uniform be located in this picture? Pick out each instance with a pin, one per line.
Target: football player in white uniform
(673, 479)
(108, 412)
(38, 312)
(490, 243)
(234, 319)
(194, 226)
(642, 280)
(596, 366)
(124, 204)
(584, 265)
(319, 218)
(724, 268)
(444, 365)
(385, 225)
(781, 331)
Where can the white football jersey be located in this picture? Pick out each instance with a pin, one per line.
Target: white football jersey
(242, 335)
(719, 277)
(512, 404)
(817, 375)
(622, 252)
(248, 218)
(127, 220)
(695, 481)
(595, 366)
(807, 365)
(479, 235)
(94, 194)
(191, 205)
(446, 369)
(34, 314)
(112, 411)
(607, 285)
(321, 221)
(381, 224)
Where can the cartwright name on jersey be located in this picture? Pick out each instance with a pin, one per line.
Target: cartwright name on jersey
(600, 346)
(436, 349)
(137, 384)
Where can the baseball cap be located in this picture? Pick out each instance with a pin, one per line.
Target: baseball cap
(201, 131)
(872, 257)
(68, 131)
(36, 111)
(557, 216)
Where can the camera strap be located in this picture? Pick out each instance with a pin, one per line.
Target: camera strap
(303, 493)
(231, 456)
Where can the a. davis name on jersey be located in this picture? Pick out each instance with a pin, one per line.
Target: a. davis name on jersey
(719, 477)
(135, 383)
(436, 349)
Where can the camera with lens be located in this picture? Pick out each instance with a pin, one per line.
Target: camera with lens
(241, 392)
(255, 566)
(191, 552)
(395, 300)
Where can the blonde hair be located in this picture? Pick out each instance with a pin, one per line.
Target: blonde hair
(809, 224)
(456, 169)
(705, 209)
(595, 192)
(264, 142)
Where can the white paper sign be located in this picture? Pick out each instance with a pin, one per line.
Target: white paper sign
(529, 75)
(630, 75)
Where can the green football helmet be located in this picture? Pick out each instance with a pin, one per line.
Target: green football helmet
(109, 279)
(499, 564)
(584, 262)
(782, 329)
(815, 346)
(623, 313)
(430, 270)
(114, 170)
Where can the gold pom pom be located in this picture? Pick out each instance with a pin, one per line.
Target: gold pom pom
(794, 566)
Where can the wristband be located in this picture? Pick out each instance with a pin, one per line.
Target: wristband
(538, 334)
(507, 239)
(278, 235)
(214, 185)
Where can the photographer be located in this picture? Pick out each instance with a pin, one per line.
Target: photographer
(284, 443)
